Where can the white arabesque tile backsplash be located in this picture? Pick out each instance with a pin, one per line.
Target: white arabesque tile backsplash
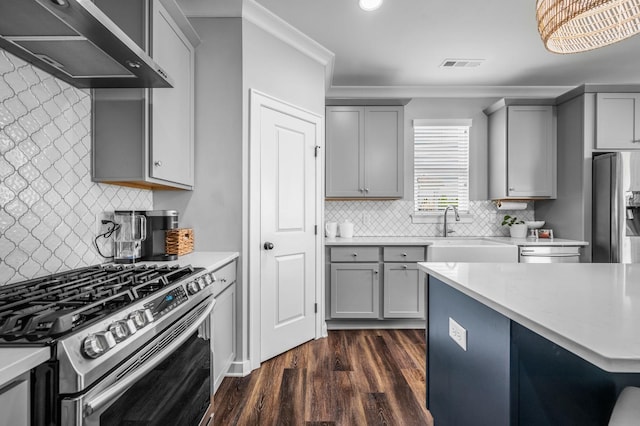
(393, 218)
(48, 203)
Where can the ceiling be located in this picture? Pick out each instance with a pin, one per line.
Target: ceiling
(403, 44)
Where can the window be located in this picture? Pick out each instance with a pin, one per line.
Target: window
(441, 165)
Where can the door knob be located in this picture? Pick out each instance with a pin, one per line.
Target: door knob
(268, 246)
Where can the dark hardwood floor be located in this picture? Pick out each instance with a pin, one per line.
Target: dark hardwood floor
(353, 377)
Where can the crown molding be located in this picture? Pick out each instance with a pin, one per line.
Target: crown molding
(282, 30)
(359, 92)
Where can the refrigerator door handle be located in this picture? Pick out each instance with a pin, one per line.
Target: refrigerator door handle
(616, 202)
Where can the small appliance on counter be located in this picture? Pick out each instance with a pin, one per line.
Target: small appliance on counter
(131, 231)
(158, 223)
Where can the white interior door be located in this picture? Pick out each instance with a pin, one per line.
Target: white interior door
(287, 212)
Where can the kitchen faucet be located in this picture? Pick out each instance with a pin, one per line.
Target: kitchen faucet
(455, 210)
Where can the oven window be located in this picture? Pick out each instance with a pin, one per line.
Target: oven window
(176, 392)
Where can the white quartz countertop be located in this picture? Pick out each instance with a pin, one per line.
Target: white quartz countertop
(425, 241)
(537, 242)
(205, 259)
(379, 241)
(590, 309)
(16, 361)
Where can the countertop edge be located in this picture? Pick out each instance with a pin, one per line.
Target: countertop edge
(427, 241)
(612, 365)
(17, 361)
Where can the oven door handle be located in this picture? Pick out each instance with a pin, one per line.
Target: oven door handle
(120, 387)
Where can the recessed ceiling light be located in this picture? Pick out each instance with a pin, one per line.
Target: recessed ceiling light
(370, 5)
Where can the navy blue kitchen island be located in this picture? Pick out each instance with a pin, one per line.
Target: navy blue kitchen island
(518, 344)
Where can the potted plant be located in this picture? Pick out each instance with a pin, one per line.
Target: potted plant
(517, 228)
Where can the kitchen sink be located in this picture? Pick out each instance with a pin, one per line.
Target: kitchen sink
(470, 250)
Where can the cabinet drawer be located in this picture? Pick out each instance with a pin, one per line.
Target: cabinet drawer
(404, 254)
(225, 276)
(355, 254)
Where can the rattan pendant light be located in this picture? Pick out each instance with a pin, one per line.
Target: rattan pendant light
(570, 26)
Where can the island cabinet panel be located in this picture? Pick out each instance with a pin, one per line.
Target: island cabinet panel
(355, 290)
(618, 121)
(472, 386)
(509, 375)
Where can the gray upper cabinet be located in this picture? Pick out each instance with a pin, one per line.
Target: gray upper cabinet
(364, 156)
(144, 137)
(617, 121)
(522, 151)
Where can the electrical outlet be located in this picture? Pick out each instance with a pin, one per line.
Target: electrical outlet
(365, 218)
(458, 333)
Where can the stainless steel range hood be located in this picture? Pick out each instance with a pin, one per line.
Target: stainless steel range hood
(75, 41)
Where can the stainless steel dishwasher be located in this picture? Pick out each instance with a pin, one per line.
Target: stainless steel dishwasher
(549, 254)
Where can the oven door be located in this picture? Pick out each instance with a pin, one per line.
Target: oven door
(168, 382)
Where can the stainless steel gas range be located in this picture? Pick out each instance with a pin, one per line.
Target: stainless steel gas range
(129, 344)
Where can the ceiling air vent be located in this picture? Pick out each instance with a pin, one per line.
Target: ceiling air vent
(461, 63)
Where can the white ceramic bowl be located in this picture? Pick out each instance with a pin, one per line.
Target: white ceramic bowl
(534, 224)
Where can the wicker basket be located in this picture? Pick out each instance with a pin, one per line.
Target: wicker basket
(179, 241)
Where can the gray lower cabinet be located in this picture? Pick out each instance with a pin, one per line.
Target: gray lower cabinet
(14, 402)
(403, 291)
(224, 322)
(371, 282)
(355, 290)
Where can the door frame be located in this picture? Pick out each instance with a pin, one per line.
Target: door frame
(257, 101)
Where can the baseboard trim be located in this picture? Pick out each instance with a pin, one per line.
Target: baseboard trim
(239, 369)
(375, 324)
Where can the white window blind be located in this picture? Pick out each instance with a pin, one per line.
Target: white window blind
(441, 167)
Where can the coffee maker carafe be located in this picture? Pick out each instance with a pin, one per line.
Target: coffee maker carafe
(131, 231)
(158, 223)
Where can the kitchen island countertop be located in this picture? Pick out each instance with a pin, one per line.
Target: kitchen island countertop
(591, 310)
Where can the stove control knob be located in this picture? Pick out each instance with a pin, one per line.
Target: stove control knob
(97, 344)
(193, 287)
(148, 315)
(140, 318)
(201, 283)
(122, 329)
(209, 279)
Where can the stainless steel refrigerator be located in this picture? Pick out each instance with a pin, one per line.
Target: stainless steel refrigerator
(616, 208)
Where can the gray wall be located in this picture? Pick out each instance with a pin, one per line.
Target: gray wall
(214, 208)
(234, 57)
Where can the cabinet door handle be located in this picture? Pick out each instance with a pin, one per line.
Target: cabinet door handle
(157, 163)
(375, 272)
(366, 190)
(512, 189)
(361, 189)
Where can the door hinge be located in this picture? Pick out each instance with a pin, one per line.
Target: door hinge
(315, 230)
(316, 149)
(315, 308)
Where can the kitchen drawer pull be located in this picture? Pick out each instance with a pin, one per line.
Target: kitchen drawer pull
(404, 266)
(354, 254)
(404, 254)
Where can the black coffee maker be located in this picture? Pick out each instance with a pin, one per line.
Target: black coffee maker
(158, 223)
